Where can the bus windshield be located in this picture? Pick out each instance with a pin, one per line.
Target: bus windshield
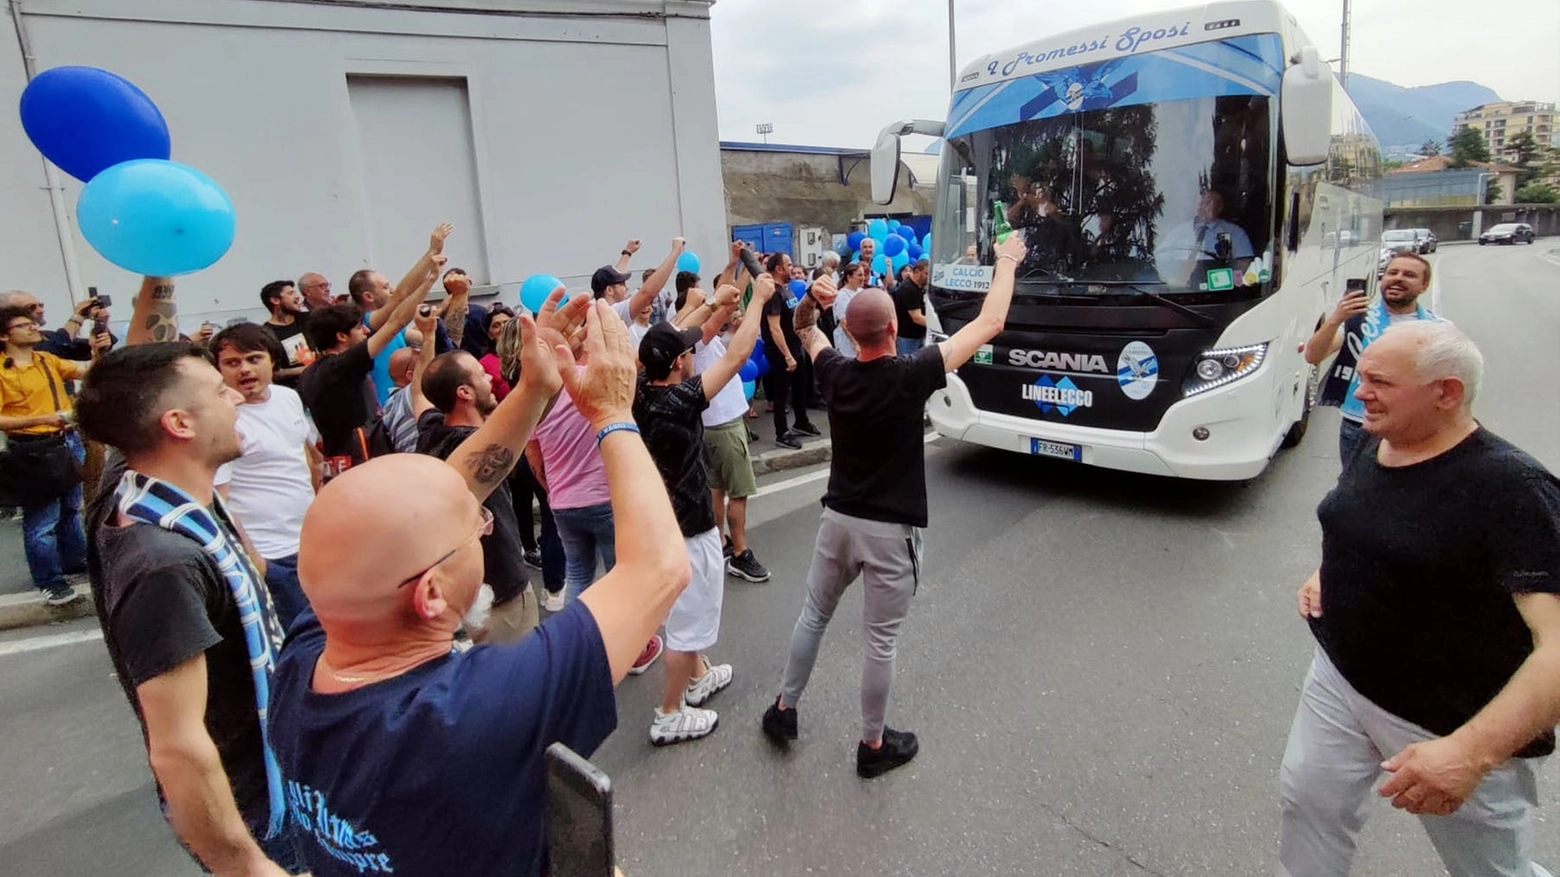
(1175, 196)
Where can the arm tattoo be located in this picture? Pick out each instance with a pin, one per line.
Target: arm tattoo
(810, 335)
(162, 291)
(490, 465)
(455, 321)
(806, 314)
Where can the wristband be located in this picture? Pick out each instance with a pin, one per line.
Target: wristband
(616, 427)
(1008, 256)
(627, 253)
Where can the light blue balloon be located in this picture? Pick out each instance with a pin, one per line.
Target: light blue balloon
(156, 218)
(900, 261)
(926, 244)
(894, 224)
(749, 388)
(688, 262)
(877, 230)
(879, 264)
(535, 291)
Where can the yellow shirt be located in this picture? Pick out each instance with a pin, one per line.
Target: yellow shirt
(26, 392)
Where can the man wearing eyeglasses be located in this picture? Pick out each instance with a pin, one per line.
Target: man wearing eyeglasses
(316, 291)
(35, 410)
(404, 756)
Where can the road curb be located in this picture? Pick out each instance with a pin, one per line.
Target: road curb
(29, 610)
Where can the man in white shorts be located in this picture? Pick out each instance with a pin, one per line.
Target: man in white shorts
(669, 407)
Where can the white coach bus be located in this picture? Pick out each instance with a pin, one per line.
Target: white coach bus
(1196, 190)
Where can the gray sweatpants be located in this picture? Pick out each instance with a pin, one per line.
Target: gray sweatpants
(1333, 763)
(887, 557)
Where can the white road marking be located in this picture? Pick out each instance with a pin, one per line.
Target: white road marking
(810, 477)
(51, 641)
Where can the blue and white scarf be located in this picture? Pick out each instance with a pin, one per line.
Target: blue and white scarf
(1358, 333)
(146, 500)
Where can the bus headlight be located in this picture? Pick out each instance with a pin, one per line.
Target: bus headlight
(1215, 368)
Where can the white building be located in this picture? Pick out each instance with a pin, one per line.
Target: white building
(549, 131)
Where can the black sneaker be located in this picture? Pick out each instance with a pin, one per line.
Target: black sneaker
(64, 595)
(897, 750)
(789, 440)
(746, 566)
(533, 559)
(779, 724)
(806, 429)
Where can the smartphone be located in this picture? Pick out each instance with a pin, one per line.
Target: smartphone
(1355, 285)
(579, 816)
(103, 301)
(425, 310)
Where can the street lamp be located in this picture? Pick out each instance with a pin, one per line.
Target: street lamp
(953, 62)
(766, 129)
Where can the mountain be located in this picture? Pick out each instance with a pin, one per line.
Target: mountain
(1409, 116)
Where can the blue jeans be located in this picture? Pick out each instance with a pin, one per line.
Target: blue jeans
(910, 346)
(586, 533)
(52, 535)
(281, 579)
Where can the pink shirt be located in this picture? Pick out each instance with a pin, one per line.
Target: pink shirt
(571, 462)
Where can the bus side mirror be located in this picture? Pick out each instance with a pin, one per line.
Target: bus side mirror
(1307, 109)
(885, 165)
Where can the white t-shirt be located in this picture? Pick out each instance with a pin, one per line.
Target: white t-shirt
(269, 487)
(731, 402)
(637, 333)
(842, 342)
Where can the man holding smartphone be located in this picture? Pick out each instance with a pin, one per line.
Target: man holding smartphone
(1354, 324)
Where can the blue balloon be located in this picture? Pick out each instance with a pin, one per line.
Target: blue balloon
(535, 291)
(855, 257)
(749, 389)
(877, 230)
(760, 361)
(748, 372)
(879, 264)
(926, 244)
(156, 218)
(87, 120)
(907, 233)
(688, 262)
(855, 240)
(894, 224)
(798, 288)
(916, 252)
(894, 246)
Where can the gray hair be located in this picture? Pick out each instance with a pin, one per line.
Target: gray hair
(831, 258)
(9, 297)
(1443, 351)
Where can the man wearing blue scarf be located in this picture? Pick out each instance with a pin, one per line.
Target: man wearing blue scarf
(185, 614)
(1352, 327)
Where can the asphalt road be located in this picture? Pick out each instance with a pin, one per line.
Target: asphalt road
(1101, 667)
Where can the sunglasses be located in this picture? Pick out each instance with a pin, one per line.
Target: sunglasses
(485, 530)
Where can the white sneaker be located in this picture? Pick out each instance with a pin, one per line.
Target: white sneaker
(707, 686)
(552, 602)
(688, 723)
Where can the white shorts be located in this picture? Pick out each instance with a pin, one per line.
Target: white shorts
(694, 623)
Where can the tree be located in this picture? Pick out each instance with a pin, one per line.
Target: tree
(1537, 193)
(1468, 147)
(1430, 147)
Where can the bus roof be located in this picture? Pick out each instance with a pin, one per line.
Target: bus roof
(1135, 35)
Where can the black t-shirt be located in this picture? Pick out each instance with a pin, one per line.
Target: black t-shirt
(162, 602)
(1419, 565)
(909, 297)
(338, 392)
(670, 420)
(295, 343)
(503, 554)
(876, 411)
(781, 305)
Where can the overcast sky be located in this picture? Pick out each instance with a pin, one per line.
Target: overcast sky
(834, 72)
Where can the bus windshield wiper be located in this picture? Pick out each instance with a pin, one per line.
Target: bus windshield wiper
(1157, 298)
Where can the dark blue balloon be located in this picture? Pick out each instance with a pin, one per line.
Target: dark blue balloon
(87, 120)
(916, 252)
(760, 360)
(748, 372)
(855, 240)
(798, 288)
(893, 246)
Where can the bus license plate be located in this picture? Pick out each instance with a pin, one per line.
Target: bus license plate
(1043, 448)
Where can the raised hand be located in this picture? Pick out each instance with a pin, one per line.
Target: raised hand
(568, 320)
(679, 245)
(539, 359)
(604, 390)
(457, 284)
(1014, 248)
(632, 246)
(427, 321)
(825, 292)
(763, 289)
(1351, 305)
(436, 240)
(725, 297)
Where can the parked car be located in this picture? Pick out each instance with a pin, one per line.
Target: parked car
(1427, 240)
(1508, 233)
(1400, 240)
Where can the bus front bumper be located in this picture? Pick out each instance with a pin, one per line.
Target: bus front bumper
(1238, 446)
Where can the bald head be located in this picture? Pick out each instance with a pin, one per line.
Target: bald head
(870, 320)
(402, 363)
(362, 539)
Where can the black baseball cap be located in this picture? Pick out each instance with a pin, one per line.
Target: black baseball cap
(604, 277)
(662, 345)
